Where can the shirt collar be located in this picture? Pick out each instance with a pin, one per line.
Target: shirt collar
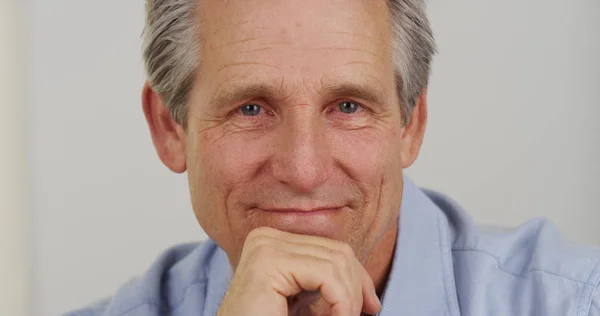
(421, 280)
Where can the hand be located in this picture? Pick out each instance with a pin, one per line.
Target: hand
(279, 270)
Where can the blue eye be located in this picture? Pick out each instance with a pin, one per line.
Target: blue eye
(348, 107)
(251, 109)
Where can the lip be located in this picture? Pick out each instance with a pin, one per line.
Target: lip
(298, 211)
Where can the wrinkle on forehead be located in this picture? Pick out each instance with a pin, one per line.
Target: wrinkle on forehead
(339, 42)
(279, 20)
(238, 64)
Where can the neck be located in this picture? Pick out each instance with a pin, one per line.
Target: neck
(380, 260)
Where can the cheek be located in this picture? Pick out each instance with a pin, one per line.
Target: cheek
(219, 165)
(368, 154)
(226, 160)
(372, 159)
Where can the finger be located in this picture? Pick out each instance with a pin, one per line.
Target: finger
(354, 274)
(304, 239)
(345, 261)
(370, 303)
(350, 268)
(359, 280)
(306, 273)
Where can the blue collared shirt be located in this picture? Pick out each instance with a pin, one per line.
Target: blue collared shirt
(444, 265)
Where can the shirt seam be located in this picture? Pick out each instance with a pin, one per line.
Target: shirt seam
(522, 276)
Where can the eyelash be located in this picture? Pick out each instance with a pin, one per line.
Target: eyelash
(336, 107)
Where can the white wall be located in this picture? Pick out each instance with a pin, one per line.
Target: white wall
(14, 266)
(514, 109)
(104, 205)
(512, 134)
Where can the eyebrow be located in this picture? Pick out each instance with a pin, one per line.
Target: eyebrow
(238, 94)
(361, 91)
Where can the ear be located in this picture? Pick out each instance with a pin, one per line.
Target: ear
(167, 135)
(414, 132)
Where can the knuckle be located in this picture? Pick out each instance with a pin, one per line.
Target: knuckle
(338, 257)
(338, 266)
(262, 255)
(332, 270)
(259, 232)
(346, 249)
(259, 246)
(257, 238)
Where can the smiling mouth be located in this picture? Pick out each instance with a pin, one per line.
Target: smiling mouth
(302, 212)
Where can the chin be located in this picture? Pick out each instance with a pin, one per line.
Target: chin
(330, 223)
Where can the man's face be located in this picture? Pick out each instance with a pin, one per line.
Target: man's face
(295, 109)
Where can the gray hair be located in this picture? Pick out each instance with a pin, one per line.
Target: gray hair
(171, 46)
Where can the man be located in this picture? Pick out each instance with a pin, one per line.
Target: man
(294, 121)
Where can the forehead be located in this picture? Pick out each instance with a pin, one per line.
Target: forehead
(293, 38)
(318, 14)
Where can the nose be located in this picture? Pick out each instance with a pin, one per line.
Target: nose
(302, 157)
